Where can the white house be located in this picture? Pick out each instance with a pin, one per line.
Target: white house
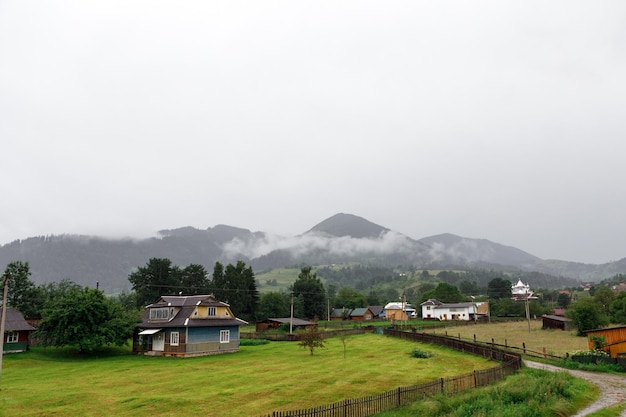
(399, 311)
(436, 310)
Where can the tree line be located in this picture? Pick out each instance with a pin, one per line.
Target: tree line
(87, 319)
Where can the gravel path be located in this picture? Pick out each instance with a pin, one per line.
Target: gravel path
(612, 387)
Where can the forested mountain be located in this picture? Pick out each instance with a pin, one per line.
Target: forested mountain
(340, 239)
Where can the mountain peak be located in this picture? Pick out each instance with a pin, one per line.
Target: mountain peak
(343, 224)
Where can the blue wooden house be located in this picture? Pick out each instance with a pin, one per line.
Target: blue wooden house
(194, 325)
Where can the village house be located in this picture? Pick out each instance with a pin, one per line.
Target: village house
(340, 313)
(183, 326)
(16, 332)
(398, 311)
(436, 310)
(361, 314)
(377, 311)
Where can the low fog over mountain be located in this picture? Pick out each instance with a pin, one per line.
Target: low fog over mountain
(342, 238)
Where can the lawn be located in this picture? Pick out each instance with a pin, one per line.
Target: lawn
(254, 381)
(514, 333)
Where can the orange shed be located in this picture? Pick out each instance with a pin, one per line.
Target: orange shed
(615, 340)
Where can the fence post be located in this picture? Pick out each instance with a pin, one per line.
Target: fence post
(474, 337)
(399, 397)
(475, 379)
(442, 386)
(524, 346)
(545, 354)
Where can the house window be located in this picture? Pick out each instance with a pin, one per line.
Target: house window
(174, 339)
(211, 311)
(13, 337)
(224, 336)
(159, 313)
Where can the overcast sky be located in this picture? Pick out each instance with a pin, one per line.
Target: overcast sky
(487, 119)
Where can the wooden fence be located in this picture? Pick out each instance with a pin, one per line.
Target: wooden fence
(294, 337)
(402, 396)
(521, 349)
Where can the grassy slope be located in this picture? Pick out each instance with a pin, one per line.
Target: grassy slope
(257, 380)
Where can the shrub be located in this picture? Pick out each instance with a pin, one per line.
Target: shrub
(420, 354)
(253, 342)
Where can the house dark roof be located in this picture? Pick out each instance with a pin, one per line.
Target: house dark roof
(186, 306)
(340, 312)
(358, 312)
(15, 322)
(187, 300)
(296, 321)
(376, 310)
(556, 318)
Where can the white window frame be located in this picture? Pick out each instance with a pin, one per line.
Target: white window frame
(13, 337)
(224, 336)
(211, 311)
(160, 313)
(174, 338)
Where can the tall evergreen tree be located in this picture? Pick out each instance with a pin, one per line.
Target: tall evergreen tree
(309, 289)
(22, 291)
(159, 277)
(236, 285)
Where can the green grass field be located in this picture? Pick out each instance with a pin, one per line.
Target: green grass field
(254, 381)
(281, 279)
(514, 333)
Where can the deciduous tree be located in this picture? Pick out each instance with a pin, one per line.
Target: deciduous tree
(84, 318)
(273, 304)
(618, 308)
(586, 314)
(312, 339)
(499, 288)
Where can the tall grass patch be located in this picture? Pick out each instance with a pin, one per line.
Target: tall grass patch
(529, 393)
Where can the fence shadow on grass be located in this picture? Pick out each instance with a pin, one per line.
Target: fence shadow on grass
(402, 396)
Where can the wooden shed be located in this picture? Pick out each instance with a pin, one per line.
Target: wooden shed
(615, 340)
(274, 323)
(556, 322)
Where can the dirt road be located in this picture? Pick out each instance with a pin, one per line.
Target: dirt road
(612, 387)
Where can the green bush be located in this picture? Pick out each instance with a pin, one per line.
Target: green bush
(253, 342)
(420, 354)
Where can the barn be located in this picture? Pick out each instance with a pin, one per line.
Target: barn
(551, 321)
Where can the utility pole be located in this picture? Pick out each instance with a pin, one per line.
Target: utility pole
(4, 316)
(291, 318)
(528, 311)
